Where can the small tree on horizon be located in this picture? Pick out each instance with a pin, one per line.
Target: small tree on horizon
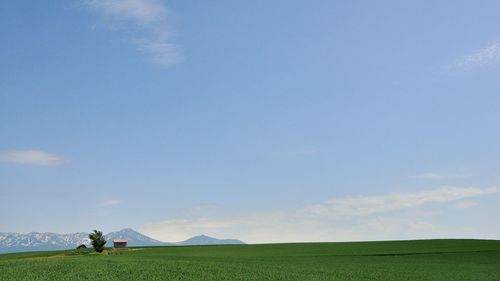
(98, 240)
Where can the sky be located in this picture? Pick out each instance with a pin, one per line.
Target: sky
(265, 121)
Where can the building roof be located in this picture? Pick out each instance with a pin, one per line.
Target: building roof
(120, 241)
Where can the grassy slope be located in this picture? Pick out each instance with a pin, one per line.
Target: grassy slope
(438, 260)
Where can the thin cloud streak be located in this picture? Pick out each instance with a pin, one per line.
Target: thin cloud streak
(483, 56)
(31, 157)
(147, 25)
(440, 176)
(109, 203)
(388, 216)
(370, 205)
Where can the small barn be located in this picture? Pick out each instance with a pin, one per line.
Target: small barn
(120, 244)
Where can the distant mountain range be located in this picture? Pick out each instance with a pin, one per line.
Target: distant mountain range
(36, 241)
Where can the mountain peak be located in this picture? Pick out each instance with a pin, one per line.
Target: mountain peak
(134, 238)
(207, 240)
(127, 230)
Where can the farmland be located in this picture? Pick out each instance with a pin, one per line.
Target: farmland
(437, 260)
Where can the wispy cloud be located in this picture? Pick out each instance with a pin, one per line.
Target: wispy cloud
(387, 216)
(440, 176)
(369, 205)
(31, 157)
(465, 204)
(145, 23)
(109, 202)
(487, 55)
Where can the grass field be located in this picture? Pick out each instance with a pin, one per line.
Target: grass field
(436, 260)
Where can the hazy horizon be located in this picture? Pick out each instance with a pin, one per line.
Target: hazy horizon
(264, 121)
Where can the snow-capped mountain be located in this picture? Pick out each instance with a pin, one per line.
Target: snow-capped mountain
(36, 241)
(134, 238)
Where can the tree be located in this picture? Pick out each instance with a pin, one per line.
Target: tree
(98, 240)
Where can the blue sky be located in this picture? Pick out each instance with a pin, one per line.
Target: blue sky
(267, 121)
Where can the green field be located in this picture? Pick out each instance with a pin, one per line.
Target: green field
(437, 260)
